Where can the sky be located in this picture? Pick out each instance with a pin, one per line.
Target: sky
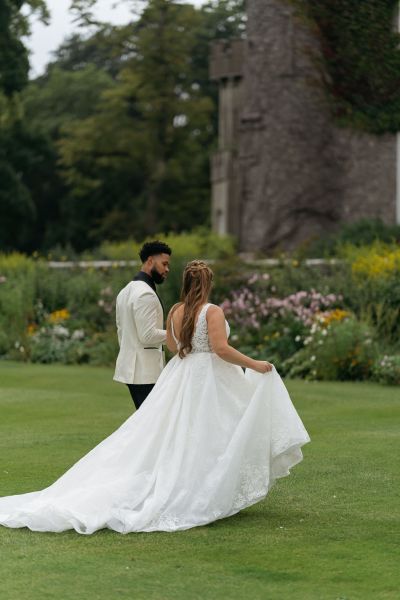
(44, 39)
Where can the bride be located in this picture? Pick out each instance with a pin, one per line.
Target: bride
(209, 441)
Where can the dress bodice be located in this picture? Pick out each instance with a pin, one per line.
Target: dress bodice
(200, 340)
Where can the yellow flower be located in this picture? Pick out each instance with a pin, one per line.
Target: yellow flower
(59, 315)
(337, 314)
(31, 328)
(377, 262)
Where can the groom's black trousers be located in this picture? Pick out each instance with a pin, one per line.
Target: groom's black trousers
(139, 392)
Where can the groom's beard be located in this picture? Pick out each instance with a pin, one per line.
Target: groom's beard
(156, 277)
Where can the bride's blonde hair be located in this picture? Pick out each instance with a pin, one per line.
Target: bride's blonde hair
(196, 286)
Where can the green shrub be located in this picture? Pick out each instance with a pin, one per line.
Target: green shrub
(17, 266)
(102, 348)
(386, 369)
(57, 344)
(343, 350)
(374, 293)
(17, 296)
(362, 233)
(201, 243)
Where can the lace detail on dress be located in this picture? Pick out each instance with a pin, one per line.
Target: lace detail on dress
(200, 341)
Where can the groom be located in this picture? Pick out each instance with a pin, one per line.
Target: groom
(140, 322)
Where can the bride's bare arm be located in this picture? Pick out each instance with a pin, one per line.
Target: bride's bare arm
(219, 343)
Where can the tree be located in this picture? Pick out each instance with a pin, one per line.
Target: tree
(62, 96)
(14, 24)
(26, 209)
(156, 121)
(162, 112)
(106, 49)
(120, 128)
(17, 209)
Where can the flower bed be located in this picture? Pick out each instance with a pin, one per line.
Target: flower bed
(337, 321)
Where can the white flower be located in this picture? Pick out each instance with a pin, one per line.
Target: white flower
(324, 332)
(312, 358)
(78, 334)
(60, 331)
(297, 338)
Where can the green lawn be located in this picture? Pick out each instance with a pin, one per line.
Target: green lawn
(326, 532)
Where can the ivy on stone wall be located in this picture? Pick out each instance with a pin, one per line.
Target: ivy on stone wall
(360, 60)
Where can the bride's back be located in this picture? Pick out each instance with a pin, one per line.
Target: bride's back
(199, 340)
(188, 322)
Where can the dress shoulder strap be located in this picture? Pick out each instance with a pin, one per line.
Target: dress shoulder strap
(203, 312)
(173, 330)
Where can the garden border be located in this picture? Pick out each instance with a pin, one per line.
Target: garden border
(268, 262)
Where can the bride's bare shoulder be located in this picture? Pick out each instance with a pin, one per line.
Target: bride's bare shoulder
(176, 307)
(214, 311)
(175, 311)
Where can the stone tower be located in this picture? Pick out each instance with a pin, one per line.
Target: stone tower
(292, 174)
(226, 67)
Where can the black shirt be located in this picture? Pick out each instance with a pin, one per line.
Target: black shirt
(142, 276)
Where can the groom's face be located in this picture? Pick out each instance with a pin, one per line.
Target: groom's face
(160, 267)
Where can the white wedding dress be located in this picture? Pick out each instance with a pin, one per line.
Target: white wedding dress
(208, 441)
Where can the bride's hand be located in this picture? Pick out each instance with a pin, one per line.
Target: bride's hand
(262, 366)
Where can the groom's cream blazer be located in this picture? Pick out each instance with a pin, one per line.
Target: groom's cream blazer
(139, 317)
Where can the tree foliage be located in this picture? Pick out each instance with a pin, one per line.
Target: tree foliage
(360, 62)
(113, 140)
(19, 149)
(147, 134)
(130, 118)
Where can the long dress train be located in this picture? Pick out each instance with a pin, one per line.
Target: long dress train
(208, 441)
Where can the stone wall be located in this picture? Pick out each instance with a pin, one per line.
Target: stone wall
(297, 175)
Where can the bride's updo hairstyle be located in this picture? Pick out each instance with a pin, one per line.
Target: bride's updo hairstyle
(196, 286)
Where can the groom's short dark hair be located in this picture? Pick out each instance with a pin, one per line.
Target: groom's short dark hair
(153, 248)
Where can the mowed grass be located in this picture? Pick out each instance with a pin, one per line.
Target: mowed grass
(329, 531)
